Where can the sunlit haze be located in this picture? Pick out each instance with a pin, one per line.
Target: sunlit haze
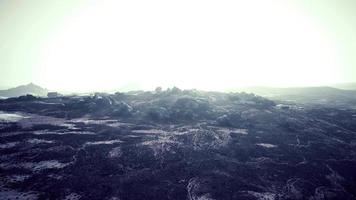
(209, 45)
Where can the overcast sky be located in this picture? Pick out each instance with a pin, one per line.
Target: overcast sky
(213, 45)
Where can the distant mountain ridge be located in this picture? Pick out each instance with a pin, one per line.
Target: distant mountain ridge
(30, 88)
(310, 95)
(335, 94)
(275, 91)
(346, 86)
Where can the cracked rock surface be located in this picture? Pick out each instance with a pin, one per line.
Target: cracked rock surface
(175, 145)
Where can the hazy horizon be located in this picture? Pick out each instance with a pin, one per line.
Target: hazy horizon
(253, 88)
(86, 46)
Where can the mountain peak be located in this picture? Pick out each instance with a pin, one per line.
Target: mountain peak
(31, 85)
(30, 88)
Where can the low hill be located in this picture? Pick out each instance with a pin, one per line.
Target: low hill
(24, 90)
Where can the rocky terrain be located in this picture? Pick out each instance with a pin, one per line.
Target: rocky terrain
(175, 144)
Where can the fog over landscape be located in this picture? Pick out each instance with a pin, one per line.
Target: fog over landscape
(109, 45)
(196, 100)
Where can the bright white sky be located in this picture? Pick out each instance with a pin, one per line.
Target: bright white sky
(204, 44)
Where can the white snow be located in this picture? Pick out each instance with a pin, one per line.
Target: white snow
(115, 152)
(103, 142)
(154, 131)
(63, 132)
(107, 122)
(11, 117)
(240, 131)
(39, 141)
(266, 145)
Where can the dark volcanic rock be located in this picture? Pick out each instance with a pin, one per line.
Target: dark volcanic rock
(174, 144)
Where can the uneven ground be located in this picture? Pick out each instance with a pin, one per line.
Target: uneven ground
(175, 145)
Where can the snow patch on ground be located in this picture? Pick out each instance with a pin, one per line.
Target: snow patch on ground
(46, 132)
(203, 139)
(233, 131)
(11, 117)
(240, 131)
(103, 142)
(115, 152)
(263, 196)
(152, 131)
(32, 120)
(48, 164)
(107, 122)
(161, 145)
(39, 141)
(266, 145)
(8, 145)
(73, 196)
(36, 166)
(196, 189)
